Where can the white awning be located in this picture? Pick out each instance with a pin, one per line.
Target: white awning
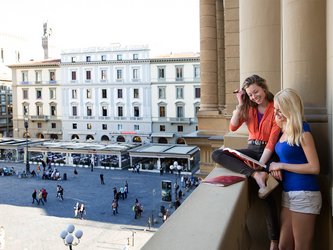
(167, 135)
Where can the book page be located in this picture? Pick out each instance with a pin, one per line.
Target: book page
(252, 163)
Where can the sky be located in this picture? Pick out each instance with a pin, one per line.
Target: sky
(165, 25)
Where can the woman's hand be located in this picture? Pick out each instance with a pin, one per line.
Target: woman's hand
(275, 170)
(239, 95)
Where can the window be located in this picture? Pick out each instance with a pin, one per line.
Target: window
(39, 125)
(180, 111)
(104, 93)
(135, 74)
(180, 128)
(74, 110)
(179, 92)
(25, 109)
(88, 75)
(104, 126)
(179, 73)
(53, 110)
(161, 92)
(52, 93)
(136, 111)
(73, 59)
(120, 127)
(162, 111)
(38, 94)
(73, 75)
(88, 58)
(119, 57)
(89, 126)
(74, 125)
(197, 92)
(104, 111)
(53, 125)
(136, 127)
(24, 76)
(161, 73)
(74, 93)
(89, 111)
(39, 109)
(135, 56)
(119, 74)
(120, 111)
(196, 72)
(25, 93)
(196, 110)
(52, 76)
(120, 93)
(103, 74)
(103, 57)
(38, 76)
(162, 128)
(88, 92)
(135, 93)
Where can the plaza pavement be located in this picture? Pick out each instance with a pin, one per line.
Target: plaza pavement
(30, 226)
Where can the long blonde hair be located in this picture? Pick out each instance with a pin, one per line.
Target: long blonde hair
(291, 107)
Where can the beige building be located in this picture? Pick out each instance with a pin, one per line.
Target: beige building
(290, 44)
(37, 98)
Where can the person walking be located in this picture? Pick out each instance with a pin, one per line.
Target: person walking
(297, 169)
(44, 194)
(76, 209)
(82, 211)
(114, 206)
(101, 177)
(34, 196)
(40, 197)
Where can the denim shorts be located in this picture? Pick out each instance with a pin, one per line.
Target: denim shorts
(307, 202)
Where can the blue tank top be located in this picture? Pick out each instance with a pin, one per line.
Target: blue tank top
(295, 155)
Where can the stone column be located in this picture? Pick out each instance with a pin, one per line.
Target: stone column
(260, 46)
(208, 57)
(304, 53)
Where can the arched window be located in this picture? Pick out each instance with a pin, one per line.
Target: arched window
(137, 139)
(105, 138)
(54, 137)
(120, 138)
(75, 137)
(180, 141)
(89, 138)
(162, 140)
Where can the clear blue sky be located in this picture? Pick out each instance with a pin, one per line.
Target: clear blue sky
(165, 25)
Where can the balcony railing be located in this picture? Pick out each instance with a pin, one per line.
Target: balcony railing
(39, 118)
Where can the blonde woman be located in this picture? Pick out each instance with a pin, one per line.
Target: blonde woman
(297, 169)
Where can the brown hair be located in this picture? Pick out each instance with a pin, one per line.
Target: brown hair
(247, 103)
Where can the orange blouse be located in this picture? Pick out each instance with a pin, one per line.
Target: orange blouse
(267, 130)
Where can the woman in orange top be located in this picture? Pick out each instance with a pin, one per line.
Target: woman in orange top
(256, 109)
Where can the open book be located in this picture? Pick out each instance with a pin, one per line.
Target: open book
(223, 180)
(252, 163)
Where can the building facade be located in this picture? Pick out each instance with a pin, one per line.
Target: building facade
(106, 94)
(175, 86)
(37, 98)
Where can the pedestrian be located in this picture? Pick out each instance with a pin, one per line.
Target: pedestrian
(122, 193)
(75, 171)
(177, 203)
(298, 169)
(82, 210)
(166, 215)
(137, 208)
(125, 192)
(126, 185)
(101, 176)
(114, 192)
(40, 197)
(114, 207)
(76, 209)
(44, 194)
(60, 192)
(34, 196)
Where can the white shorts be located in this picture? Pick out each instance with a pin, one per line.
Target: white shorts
(307, 202)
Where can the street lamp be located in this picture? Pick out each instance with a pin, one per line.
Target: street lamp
(177, 167)
(27, 165)
(68, 238)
